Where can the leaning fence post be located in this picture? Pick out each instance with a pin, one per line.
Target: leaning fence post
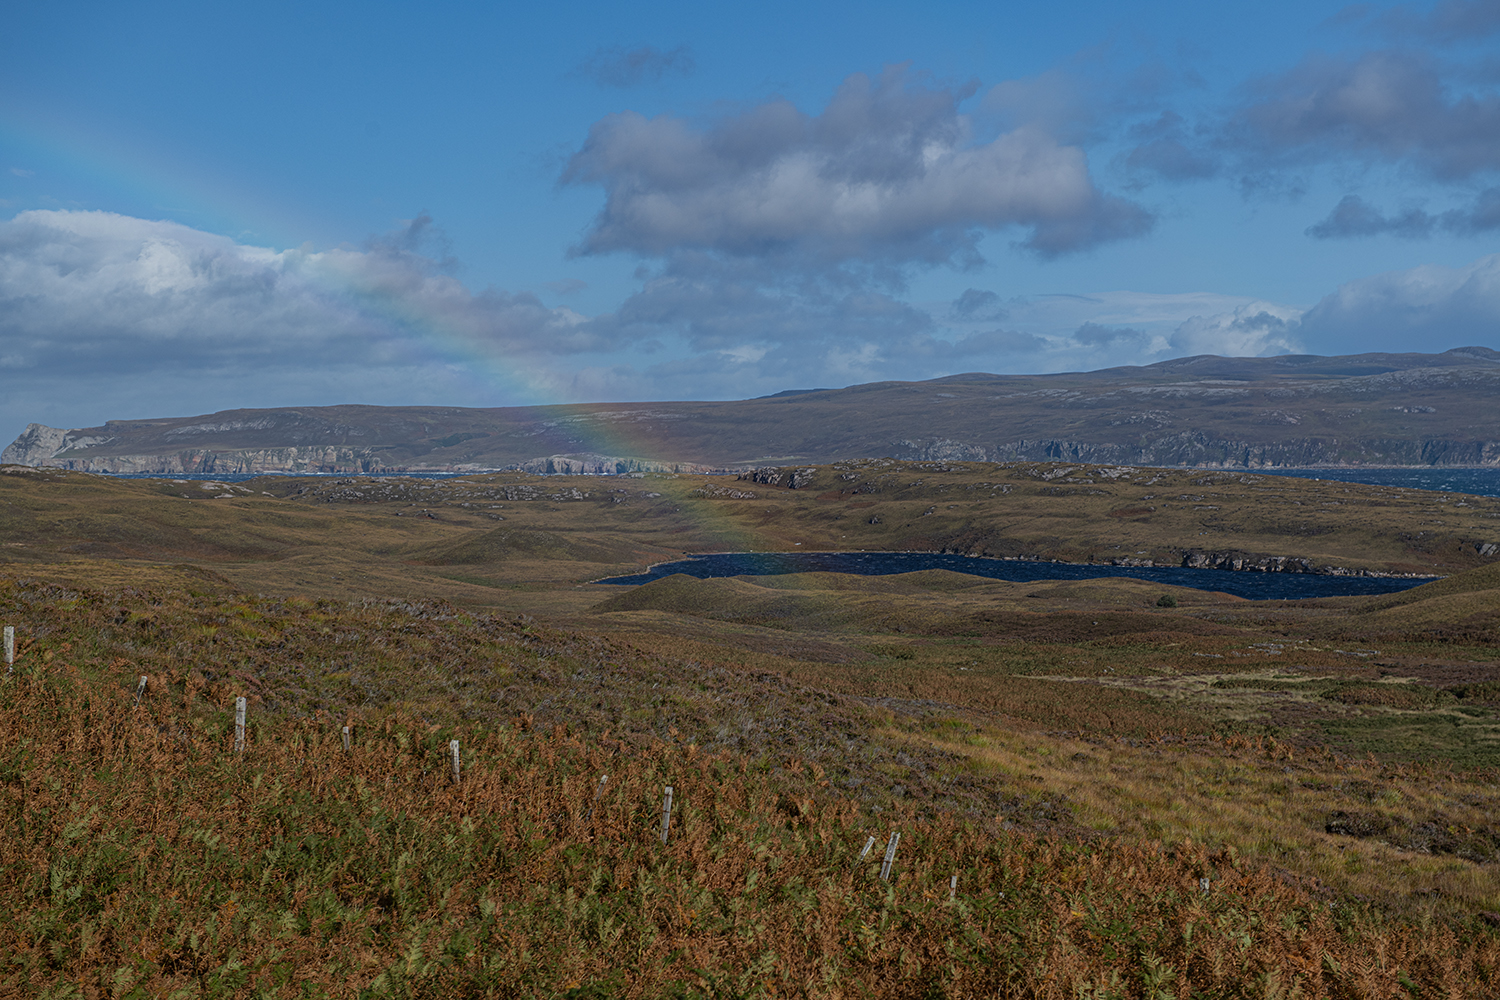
(597, 792)
(666, 814)
(140, 689)
(890, 856)
(453, 753)
(346, 738)
(868, 844)
(10, 648)
(239, 724)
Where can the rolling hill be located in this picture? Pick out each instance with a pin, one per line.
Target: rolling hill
(1206, 411)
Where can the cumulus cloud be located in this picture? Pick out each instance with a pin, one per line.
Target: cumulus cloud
(107, 292)
(1096, 334)
(1354, 218)
(1393, 107)
(977, 305)
(1440, 306)
(1256, 329)
(617, 66)
(889, 172)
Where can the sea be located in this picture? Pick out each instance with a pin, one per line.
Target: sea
(1483, 482)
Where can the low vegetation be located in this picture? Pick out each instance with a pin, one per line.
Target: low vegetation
(1080, 754)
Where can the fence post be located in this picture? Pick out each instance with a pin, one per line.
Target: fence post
(597, 793)
(890, 856)
(868, 844)
(453, 752)
(953, 888)
(346, 739)
(10, 648)
(239, 725)
(140, 689)
(666, 814)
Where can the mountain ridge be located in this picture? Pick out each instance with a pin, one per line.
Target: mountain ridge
(1202, 411)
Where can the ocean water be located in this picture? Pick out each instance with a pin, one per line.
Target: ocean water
(1479, 482)
(1254, 586)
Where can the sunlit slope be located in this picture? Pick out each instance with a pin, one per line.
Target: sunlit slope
(468, 539)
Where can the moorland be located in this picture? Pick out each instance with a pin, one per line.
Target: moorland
(1144, 791)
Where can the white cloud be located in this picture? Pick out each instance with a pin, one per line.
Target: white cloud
(889, 171)
(1433, 307)
(1255, 329)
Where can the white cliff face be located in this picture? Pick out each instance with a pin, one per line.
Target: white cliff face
(55, 447)
(40, 443)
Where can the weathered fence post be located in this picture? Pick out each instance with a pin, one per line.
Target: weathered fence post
(346, 738)
(140, 689)
(868, 844)
(453, 752)
(10, 648)
(239, 725)
(953, 888)
(597, 793)
(890, 856)
(666, 814)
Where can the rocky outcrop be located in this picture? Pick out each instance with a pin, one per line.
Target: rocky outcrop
(792, 479)
(610, 465)
(1245, 562)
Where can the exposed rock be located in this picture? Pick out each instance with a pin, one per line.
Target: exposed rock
(792, 479)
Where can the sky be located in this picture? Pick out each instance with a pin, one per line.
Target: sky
(206, 207)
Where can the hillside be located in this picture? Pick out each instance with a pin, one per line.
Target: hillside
(1291, 411)
(1150, 851)
(1080, 754)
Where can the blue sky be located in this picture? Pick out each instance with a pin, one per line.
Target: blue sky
(206, 206)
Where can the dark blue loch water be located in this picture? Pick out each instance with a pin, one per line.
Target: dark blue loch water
(1255, 586)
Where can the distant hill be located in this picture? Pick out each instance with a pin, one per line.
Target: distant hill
(1205, 411)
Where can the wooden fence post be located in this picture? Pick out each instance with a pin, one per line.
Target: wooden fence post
(10, 648)
(890, 856)
(597, 793)
(953, 888)
(346, 739)
(666, 814)
(239, 725)
(140, 689)
(868, 844)
(453, 752)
